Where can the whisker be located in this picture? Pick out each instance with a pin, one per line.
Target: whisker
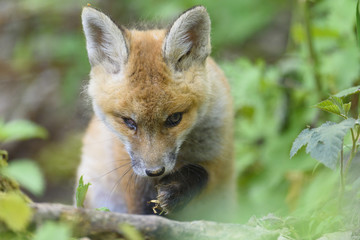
(117, 183)
(136, 181)
(118, 160)
(128, 183)
(99, 141)
(121, 166)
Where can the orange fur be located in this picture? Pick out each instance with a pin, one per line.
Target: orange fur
(148, 89)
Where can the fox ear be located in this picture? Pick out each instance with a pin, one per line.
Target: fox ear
(105, 42)
(188, 39)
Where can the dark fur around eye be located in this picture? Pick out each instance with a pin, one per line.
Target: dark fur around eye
(131, 124)
(174, 119)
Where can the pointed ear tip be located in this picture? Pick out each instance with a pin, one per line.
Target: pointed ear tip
(199, 8)
(87, 10)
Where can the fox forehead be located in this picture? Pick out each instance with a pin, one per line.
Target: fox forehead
(146, 74)
(147, 87)
(146, 63)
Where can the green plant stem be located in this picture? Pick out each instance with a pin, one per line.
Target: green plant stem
(342, 176)
(353, 149)
(310, 46)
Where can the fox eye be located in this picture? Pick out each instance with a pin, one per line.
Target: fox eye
(174, 119)
(131, 124)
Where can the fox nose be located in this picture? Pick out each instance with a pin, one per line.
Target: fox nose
(155, 172)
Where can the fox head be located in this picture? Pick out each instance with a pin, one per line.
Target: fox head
(149, 87)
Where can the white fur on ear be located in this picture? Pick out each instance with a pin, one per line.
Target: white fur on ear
(105, 42)
(188, 39)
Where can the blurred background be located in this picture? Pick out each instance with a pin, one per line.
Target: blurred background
(281, 57)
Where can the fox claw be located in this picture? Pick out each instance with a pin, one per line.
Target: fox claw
(157, 207)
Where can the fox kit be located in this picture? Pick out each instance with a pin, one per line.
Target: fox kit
(161, 138)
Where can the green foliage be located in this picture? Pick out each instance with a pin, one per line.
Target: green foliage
(325, 142)
(103, 209)
(334, 45)
(7, 184)
(130, 232)
(59, 160)
(240, 15)
(358, 23)
(348, 92)
(3, 158)
(81, 191)
(53, 231)
(27, 174)
(23, 171)
(272, 105)
(20, 130)
(14, 211)
(334, 105)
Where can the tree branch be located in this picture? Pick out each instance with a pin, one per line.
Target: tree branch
(96, 224)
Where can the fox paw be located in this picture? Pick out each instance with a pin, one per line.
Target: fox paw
(169, 196)
(174, 191)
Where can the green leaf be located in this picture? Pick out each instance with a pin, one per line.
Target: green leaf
(103, 209)
(28, 174)
(338, 102)
(130, 232)
(347, 107)
(53, 231)
(348, 92)
(325, 142)
(81, 191)
(334, 105)
(14, 211)
(337, 236)
(20, 130)
(301, 140)
(358, 23)
(329, 106)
